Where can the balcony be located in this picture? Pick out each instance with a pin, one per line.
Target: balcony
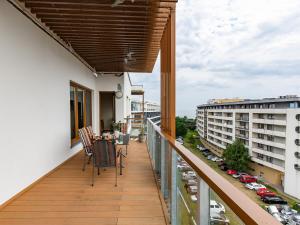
(66, 197)
(66, 58)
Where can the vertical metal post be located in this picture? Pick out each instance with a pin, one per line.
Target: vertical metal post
(157, 153)
(174, 188)
(154, 149)
(163, 169)
(203, 206)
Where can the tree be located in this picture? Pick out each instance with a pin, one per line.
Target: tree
(181, 128)
(236, 156)
(183, 124)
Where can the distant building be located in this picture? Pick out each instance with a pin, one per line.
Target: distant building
(151, 109)
(269, 127)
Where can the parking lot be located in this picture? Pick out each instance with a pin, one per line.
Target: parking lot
(273, 202)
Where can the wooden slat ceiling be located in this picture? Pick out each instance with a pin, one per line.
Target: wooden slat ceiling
(104, 35)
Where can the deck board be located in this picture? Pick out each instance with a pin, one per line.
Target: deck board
(65, 197)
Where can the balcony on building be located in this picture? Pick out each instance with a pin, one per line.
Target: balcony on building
(66, 65)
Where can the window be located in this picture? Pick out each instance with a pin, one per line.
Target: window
(261, 126)
(80, 109)
(298, 117)
(259, 145)
(261, 136)
(269, 148)
(260, 156)
(270, 127)
(270, 138)
(270, 116)
(297, 129)
(261, 116)
(297, 142)
(269, 159)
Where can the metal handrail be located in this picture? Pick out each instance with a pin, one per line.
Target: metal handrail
(247, 210)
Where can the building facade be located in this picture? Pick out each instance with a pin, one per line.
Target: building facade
(269, 128)
(140, 114)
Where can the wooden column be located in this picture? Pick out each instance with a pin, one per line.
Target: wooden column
(168, 77)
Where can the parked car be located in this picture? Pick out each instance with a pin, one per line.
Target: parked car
(295, 219)
(189, 175)
(264, 192)
(219, 160)
(216, 207)
(272, 209)
(192, 189)
(183, 167)
(206, 153)
(286, 212)
(219, 219)
(191, 182)
(224, 167)
(254, 186)
(194, 198)
(247, 179)
(238, 174)
(209, 157)
(215, 159)
(231, 172)
(179, 140)
(274, 200)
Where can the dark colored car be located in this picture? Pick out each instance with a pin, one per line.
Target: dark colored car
(224, 167)
(274, 200)
(206, 153)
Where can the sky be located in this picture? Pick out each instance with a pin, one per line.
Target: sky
(232, 48)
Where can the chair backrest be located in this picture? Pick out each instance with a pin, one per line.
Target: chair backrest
(85, 140)
(104, 154)
(126, 139)
(90, 132)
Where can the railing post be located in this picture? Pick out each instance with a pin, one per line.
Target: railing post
(174, 188)
(203, 206)
(163, 169)
(157, 153)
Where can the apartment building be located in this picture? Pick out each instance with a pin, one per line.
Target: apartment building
(140, 111)
(269, 128)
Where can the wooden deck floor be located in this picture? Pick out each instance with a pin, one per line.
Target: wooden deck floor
(66, 197)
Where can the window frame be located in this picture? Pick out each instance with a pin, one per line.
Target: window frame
(77, 86)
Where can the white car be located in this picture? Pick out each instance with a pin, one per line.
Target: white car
(272, 209)
(214, 159)
(192, 182)
(183, 167)
(192, 189)
(216, 207)
(254, 186)
(179, 140)
(189, 175)
(194, 198)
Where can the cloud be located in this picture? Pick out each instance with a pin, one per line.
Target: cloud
(234, 48)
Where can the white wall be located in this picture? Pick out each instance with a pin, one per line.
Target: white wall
(110, 83)
(35, 74)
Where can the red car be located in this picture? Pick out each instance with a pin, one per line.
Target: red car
(231, 172)
(247, 179)
(263, 193)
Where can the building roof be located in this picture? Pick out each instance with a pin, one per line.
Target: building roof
(281, 99)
